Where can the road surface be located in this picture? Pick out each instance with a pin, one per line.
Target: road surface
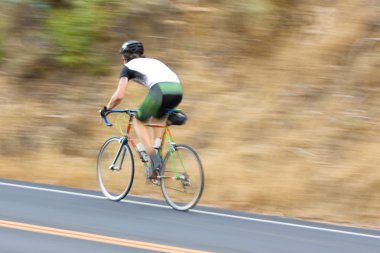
(45, 218)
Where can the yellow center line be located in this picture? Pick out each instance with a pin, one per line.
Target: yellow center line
(95, 237)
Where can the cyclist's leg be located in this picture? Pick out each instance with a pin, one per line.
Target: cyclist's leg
(143, 134)
(171, 97)
(158, 132)
(147, 109)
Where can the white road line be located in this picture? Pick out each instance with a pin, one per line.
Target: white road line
(196, 211)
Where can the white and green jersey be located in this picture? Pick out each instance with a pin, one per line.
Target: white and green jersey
(148, 72)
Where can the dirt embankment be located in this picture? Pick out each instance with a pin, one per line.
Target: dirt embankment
(283, 104)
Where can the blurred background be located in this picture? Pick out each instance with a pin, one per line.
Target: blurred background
(283, 97)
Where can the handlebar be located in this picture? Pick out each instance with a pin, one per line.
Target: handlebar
(105, 114)
(130, 112)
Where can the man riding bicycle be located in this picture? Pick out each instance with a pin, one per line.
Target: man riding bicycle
(164, 92)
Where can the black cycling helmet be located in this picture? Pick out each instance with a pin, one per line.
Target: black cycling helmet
(132, 47)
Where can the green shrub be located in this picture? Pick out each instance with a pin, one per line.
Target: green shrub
(3, 28)
(74, 32)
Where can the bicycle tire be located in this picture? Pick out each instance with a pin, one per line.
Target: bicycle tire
(177, 180)
(115, 183)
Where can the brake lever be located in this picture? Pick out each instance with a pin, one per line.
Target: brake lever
(104, 117)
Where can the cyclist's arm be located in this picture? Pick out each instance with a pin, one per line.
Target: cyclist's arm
(118, 95)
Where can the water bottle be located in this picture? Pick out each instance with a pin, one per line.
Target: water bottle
(142, 153)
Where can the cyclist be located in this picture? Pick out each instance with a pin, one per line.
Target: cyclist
(164, 92)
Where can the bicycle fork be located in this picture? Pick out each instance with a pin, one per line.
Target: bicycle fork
(122, 150)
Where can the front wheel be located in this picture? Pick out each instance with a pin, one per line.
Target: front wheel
(115, 168)
(182, 178)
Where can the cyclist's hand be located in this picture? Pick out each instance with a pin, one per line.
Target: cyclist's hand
(104, 111)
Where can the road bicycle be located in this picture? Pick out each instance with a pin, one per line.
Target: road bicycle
(181, 177)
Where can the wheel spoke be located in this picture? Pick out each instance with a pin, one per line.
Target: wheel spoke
(175, 189)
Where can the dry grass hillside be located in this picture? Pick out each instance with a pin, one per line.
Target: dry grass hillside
(283, 101)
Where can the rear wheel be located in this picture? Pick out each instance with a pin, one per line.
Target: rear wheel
(115, 168)
(182, 178)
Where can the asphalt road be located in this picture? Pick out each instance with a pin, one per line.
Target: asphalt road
(44, 218)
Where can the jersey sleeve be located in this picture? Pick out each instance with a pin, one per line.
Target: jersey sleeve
(126, 72)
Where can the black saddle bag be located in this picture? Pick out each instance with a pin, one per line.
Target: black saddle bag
(177, 118)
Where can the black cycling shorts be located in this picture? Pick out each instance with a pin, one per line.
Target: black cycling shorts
(160, 98)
